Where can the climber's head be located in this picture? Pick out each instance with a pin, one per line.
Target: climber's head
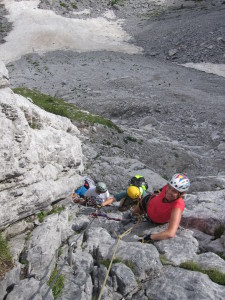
(177, 186)
(101, 187)
(134, 192)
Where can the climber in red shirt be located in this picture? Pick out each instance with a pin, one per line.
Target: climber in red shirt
(167, 206)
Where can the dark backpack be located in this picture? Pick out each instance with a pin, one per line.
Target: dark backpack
(138, 182)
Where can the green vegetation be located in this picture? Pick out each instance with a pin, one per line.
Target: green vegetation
(130, 265)
(215, 275)
(164, 260)
(23, 258)
(153, 14)
(34, 125)
(28, 235)
(6, 262)
(58, 285)
(62, 108)
(74, 5)
(116, 260)
(106, 262)
(220, 254)
(129, 139)
(219, 231)
(55, 210)
(63, 4)
(116, 146)
(35, 63)
(60, 251)
(105, 142)
(41, 215)
(118, 2)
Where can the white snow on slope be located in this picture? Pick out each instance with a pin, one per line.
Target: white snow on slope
(217, 69)
(39, 30)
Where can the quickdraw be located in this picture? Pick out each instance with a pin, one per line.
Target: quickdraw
(101, 214)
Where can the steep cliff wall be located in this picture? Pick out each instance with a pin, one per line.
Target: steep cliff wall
(40, 155)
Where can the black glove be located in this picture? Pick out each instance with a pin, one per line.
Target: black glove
(146, 239)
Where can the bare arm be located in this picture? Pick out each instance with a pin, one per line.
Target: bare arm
(172, 227)
(108, 201)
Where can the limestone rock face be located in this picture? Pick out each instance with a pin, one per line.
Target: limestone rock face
(184, 284)
(4, 76)
(204, 211)
(40, 154)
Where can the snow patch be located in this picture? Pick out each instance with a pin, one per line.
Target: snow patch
(217, 69)
(39, 31)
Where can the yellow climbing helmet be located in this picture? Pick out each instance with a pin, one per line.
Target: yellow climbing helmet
(133, 192)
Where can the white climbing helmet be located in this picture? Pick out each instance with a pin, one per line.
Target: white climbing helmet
(180, 182)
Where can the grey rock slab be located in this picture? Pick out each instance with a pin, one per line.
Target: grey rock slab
(217, 246)
(181, 248)
(210, 260)
(176, 283)
(73, 289)
(125, 278)
(39, 165)
(143, 259)
(10, 279)
(80, 223)
(98, 238)
(203, 239)
(82, 262)
(42, 247)
(30, 289)
(204, 211)
(18, 228)
(16, 246)
(4, 75)
(99, 275)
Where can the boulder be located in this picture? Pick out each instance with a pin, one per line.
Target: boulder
(177, 283)
(204, 211)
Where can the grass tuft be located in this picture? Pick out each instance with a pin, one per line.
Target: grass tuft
(58, 285)
(129, 139)
(106, 262)
(60, 107)
(43, 214)
(219, 232)
(6, 262)
(164, 260)
(215, 275)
